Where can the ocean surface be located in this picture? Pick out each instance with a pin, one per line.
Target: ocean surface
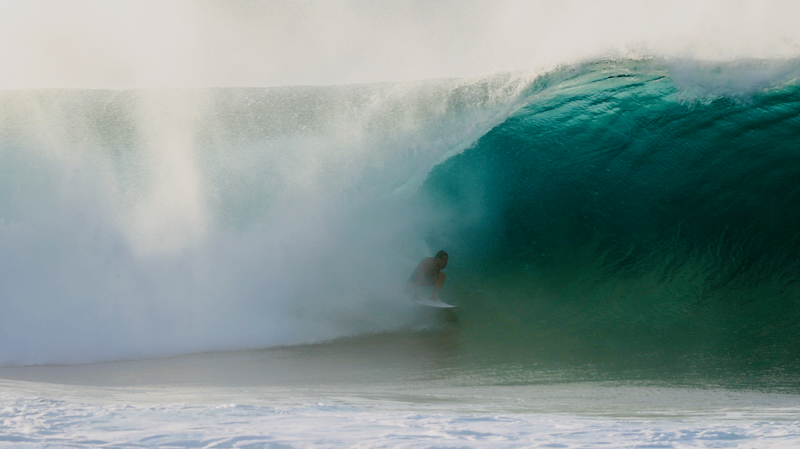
(225, 267)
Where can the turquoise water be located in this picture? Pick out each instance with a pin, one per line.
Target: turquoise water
(623, 217)
(225, 267)
(616, 220)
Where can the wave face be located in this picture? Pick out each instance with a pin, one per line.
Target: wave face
(609, 211)
(634, 209)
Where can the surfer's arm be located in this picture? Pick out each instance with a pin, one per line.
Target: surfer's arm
(418, 276)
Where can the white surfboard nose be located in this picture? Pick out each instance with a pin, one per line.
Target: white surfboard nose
(437, 304)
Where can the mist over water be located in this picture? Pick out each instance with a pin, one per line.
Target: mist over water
(154, 222)
(221, 201)
(93, 44)
(204, 205)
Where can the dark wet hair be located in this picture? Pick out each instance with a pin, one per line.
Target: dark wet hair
(441, 255)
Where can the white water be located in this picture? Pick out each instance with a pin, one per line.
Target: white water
(161, 222)
(29, 422)
(97, 269)
(149, 223)
(406, 390)
(395, 415)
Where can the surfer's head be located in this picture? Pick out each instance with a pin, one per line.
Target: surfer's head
(441, 259)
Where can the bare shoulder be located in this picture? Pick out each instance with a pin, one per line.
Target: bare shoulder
(426, 262)
(424, 266)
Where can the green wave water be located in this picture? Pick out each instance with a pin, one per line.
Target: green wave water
(626, 216)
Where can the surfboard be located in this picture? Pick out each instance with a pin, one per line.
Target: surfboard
(437, 304)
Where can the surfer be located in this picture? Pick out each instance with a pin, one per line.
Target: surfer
(429, 274)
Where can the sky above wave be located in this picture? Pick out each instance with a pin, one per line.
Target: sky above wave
(209, 43)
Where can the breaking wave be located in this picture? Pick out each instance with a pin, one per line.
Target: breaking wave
(600, 208)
